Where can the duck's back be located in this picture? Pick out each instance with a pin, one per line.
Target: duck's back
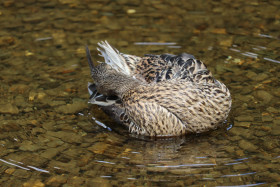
(157, 68)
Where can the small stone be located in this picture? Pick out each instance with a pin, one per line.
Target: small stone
(265, 128)
(275, 177)
(29, 146)
(251, 75)
(56, 103)
(20, 101)
(174, 171)
(98, 181)
(247, 146)
(270, 145)
(22, 173)
(240, 152)
(59, 37)
(273, 110)
(50, 153)
(243, 132)
(275, 130)
(7, 40)
(28, 53)
(55, 143)
(84, 160)
(230, 149)
(276, 150)
(10, 171)
(261, 77)
(75, 107)
(75, 181)
(267, 118)
(276, 92)
(113, 26)
(222, 68)
(38, 130)
(99, 147)
(32, 183)
(235, 138)
(237, 60)
(41, 95)
(34, 18)
(8, 3)
(260, 133)
(9, 126)
(8, 109)
(32, 95)
(276, 122)
(263, 96)
(50, 125)
(131, 11)
(227, 42)
(68, 1)
(245, 98)
(257, 167)
(70, 137)
(219, 31)
(70, 166)
(20, 88)
(240, 166)
(235, 131)
(56, 180)
(242, 124)
(245, 118)
(122, 43)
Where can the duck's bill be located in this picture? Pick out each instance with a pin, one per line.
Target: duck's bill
(100, 99)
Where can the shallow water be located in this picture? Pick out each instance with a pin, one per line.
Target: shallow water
(50, 136)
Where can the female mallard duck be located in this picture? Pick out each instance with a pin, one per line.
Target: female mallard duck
(158, 95)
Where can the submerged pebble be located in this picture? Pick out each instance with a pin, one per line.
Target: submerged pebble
(242, 124)
(247, 146)
(275, 130)
(244, 118)
(99, 147)
(8, 109)
(75, 107)
(33, 183)
(66, 136)
(263, 96)
(29, 146)
(56, 180)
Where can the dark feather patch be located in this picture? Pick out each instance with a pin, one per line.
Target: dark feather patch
(157, 68)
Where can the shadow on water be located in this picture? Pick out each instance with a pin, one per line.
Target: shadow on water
(50, 136)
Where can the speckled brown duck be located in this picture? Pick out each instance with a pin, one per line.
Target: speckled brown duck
(158, 95)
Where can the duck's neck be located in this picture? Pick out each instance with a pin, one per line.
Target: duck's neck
(117, 84)
(125, 84)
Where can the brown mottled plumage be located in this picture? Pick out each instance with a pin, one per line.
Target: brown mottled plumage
(158, 95)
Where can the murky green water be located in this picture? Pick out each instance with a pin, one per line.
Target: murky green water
(50, 136)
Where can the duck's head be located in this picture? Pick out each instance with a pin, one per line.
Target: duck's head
(108, 81)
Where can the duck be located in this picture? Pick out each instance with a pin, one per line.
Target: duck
(158, 95)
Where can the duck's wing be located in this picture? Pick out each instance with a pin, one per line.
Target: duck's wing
(157, 68)
(152, 119)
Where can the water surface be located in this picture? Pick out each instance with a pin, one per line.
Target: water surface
(50, 136)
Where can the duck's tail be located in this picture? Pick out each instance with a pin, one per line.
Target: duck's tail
(120, 62)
